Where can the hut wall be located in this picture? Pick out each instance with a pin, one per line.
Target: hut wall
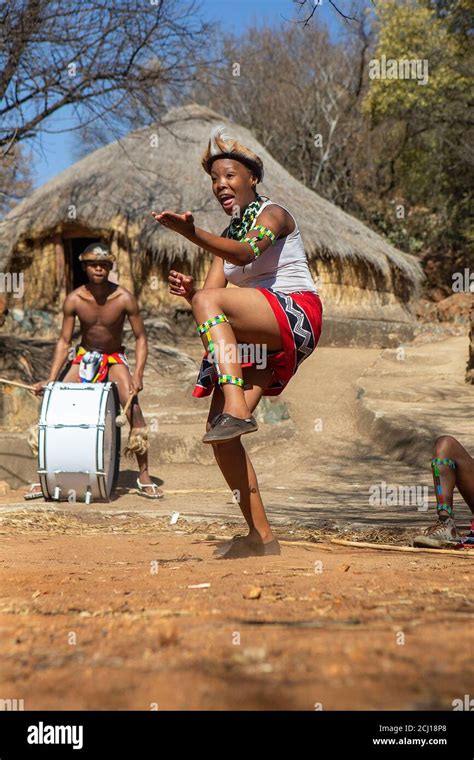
(37, 265)
(353, 289)
(349, 289)
(123, 263)
(151, 281)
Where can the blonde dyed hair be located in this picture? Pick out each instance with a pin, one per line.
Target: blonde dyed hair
(223, 145)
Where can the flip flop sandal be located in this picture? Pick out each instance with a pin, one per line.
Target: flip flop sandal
(29, 496)
(143, 492)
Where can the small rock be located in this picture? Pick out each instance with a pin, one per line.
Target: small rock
(252, 592)
(344, 568)
(250, 655)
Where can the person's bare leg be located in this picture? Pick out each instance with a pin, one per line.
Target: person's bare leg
(235, 463)
(452, 466)
(462, 476)
(119, 374)
(251, 320)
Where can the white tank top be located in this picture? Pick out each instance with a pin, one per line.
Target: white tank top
(283, 266)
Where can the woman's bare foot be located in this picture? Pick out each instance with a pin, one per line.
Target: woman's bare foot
(241, 548)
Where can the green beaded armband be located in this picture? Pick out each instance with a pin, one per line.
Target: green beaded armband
(231, 380)
(264, 232)
(252, 243)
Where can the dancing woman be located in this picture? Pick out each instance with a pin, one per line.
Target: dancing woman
(275, 307)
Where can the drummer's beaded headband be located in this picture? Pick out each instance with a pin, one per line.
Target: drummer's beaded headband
(96, 252)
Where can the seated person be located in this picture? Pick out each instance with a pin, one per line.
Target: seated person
(452, 467)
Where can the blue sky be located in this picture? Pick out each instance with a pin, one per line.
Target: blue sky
(53, 150)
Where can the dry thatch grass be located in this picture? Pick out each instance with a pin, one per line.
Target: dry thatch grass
(115, 187)
(61, 522)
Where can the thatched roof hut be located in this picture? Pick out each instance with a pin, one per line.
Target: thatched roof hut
(109, 195)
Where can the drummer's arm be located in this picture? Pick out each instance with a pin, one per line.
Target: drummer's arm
(62, 346)
(141, 343)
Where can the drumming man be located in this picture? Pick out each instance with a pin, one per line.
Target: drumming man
(101, 307)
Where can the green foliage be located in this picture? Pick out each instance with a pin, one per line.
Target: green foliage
(410, 30)
(428, 129)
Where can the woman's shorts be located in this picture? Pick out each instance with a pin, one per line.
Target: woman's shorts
(299, 317)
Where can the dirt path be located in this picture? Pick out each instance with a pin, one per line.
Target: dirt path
(101, 614)
(320, 464)
(88, 623)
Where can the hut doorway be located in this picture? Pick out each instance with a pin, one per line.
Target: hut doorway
(75, 276)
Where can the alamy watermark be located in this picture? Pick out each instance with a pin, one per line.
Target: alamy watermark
(12, 282)
(385, 495)
(7, 705)
(403, 68)
(240, 353)
(463, 282)
(466, 704)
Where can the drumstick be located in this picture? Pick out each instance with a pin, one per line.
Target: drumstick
(122, 418)
(17, 385)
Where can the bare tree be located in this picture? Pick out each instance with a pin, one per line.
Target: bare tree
(15, 176)
(100, 58)
(308, 9)
(300, 97)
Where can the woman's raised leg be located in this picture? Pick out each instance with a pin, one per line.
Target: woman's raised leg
(250, 320)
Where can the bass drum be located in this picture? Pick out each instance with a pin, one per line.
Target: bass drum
(79, 441)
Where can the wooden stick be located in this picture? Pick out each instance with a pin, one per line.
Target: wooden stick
(129, 401)
(17, 385)
(392, 548)
(122, 418)
(305, 544)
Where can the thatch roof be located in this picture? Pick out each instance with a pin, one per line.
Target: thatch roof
(118, 185)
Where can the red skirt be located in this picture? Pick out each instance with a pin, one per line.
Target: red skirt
(299, 317)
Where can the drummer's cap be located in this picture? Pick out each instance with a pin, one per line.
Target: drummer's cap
(97, 252)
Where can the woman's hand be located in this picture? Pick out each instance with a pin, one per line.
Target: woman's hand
(182, 223)
(181, 285)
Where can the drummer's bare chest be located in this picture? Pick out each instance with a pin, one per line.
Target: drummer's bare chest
(110, 314)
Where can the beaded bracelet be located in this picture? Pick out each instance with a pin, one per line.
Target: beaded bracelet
(252, 243)
(262, 232)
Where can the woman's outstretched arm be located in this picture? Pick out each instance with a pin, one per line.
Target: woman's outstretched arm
(234, 251)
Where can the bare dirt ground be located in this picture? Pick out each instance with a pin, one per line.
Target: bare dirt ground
(97, 605)
(109, 613)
